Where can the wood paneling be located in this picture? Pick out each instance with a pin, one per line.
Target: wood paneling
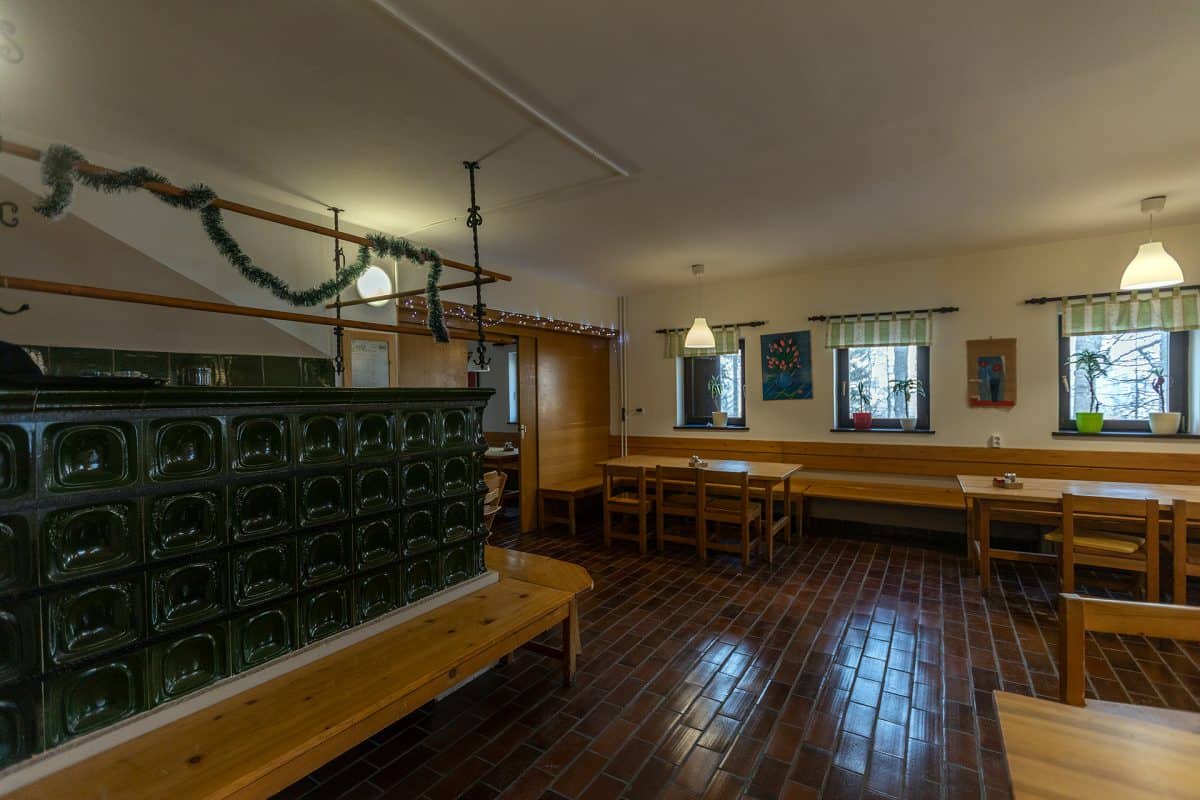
(934, 460)
(527, 413)
(420, 361)
(573, 404)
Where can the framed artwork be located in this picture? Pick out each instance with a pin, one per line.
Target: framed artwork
(992, 373)
(787, 365)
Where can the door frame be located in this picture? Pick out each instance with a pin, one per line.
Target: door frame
(527, 418)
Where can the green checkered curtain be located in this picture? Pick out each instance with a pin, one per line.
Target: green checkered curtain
(1156, 310)
(726, 336)
(879, 330)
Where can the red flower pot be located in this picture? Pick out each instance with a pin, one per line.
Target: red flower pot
(862, 421)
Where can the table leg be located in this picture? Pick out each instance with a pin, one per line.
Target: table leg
(983, 521)
(769, 517)
(568, 651)
(787, 509)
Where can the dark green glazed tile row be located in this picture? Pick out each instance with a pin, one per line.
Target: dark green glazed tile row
(227, 370)
(152, 544)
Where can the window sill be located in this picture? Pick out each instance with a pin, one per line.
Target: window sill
(1122, 435)
(880, 430)
(711, 428)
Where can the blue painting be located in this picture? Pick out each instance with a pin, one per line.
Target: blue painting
(787, 366)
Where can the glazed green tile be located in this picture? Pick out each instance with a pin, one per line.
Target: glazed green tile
(244, 370)
(182, 361)
(73, 361)
(376, 594)
(325, 555)
(20, 711)
(282, 371)
(16, 461)
(19, 650)
(94, 697)
(184, 594)
(149, 363)
(191, 662)
(264, 634)
(318, 372)
(422, 575)
(16, 554)
(326, 611)
(90, 540)
(87, 621)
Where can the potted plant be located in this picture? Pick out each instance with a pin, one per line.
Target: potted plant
(908, 387)
(862, 417)
(1162, 422)
(1093, 365)
(717, 389)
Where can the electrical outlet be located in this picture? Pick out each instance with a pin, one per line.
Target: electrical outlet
(994, 440)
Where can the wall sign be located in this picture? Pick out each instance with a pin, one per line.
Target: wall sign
(992, 373)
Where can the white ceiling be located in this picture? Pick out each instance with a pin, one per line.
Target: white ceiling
(761, 136)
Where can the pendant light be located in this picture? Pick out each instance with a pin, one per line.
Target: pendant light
(1152, 267)
(699, 336)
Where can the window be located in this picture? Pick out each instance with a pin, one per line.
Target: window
(513, 383)
(698, 402)
(876, 368)
(1126, 394)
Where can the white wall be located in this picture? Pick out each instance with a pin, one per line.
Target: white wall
(989, 287)
(495, 415)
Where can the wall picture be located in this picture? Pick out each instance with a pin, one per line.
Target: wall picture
(787, 366)
(992, 372)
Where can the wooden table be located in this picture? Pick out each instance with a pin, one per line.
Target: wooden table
(261, 740)
(505, 461)
(764, 475)
(1039, 501)
(1054, 750)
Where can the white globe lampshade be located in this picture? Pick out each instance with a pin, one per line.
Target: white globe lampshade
(373, 283)
(699, 335)
(1153, 267)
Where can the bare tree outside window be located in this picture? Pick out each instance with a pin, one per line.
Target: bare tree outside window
(1126, 392)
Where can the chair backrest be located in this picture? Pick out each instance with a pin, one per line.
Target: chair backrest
(710, 478)
(615, 476)
(1078, 615)
(675, 477)
(1110, 513)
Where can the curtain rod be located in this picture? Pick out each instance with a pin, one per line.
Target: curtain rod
(33, 154)
(1041, 301)
(939, 310)
(758, 323)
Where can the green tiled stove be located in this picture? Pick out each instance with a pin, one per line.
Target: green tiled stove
(153, 542)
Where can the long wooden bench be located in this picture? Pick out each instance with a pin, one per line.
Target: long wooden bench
(566, 491)
(262, 740)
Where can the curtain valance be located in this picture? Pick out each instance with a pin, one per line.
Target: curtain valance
(880, 330)
(1156, 310)
(726, 336)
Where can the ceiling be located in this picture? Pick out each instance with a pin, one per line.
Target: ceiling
(759, 137)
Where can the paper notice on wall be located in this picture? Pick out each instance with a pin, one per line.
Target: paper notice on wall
(369, 363)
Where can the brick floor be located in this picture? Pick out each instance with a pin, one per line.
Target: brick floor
(862, 666)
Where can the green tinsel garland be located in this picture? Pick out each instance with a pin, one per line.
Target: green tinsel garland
(59, 173)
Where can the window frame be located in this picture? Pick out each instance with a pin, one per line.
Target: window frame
(685, 387)
(842, 413)
(1177, 394)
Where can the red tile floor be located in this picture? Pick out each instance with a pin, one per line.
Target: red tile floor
(861, 666)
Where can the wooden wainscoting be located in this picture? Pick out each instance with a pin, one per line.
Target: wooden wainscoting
(934, 460)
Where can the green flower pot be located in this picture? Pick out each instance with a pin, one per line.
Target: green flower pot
(1089, 421)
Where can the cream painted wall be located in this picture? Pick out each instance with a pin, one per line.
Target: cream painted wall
(988, 286)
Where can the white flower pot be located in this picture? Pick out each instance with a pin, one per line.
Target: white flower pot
(1164, 423)
(720, 419)
(908, 423)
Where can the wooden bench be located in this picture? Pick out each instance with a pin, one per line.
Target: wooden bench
(566, 491)
(262, 740)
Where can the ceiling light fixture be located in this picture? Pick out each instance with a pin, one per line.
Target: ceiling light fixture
(1152, 267)
(699, 336)
(372, 283)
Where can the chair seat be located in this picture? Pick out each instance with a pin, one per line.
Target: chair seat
(733, 507)
(628, 499)
(1102, 542)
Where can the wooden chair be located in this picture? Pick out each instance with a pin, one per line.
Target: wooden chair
(494, 499)
(1078, 615)
(1110, 533)
(726, 507)
(676, 494)
(625, 494)
(1185, 555)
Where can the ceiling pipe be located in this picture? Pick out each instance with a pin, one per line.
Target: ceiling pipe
(391, 7)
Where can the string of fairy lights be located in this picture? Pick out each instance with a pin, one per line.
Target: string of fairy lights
(415, 308)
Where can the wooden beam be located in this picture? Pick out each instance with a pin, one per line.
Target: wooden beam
(409, 293)
(33, 154)
(142, 298)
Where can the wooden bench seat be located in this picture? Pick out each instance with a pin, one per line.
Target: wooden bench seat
(565, 491)
(260, 741)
